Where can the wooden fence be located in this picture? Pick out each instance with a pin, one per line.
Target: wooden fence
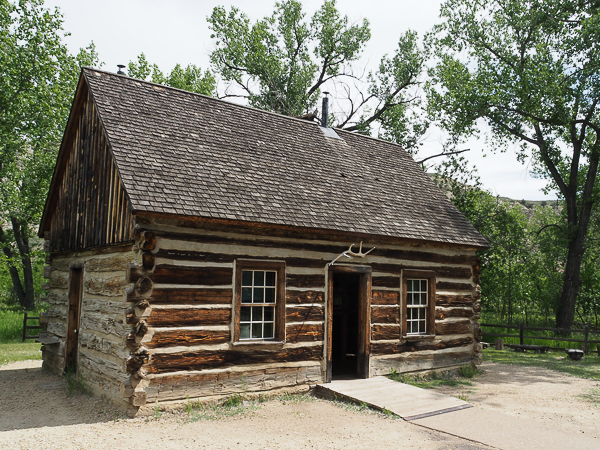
(31, 327)
(522, 328)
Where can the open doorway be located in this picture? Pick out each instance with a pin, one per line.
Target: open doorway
(344, 332)
(348, 322)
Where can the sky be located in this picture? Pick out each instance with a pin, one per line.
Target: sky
(176, 31)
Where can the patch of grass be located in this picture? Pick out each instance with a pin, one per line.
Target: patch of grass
(21, 351)
(593, 396)
(296, 398)
(434, 380)
(232, 406)
(76, 385)
(588, 367)
(363, 408)
(11, 322)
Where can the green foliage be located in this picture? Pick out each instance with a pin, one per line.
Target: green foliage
(189, 79)
(11, 321)
(588, 367)
(22, 351)
(282, 63)
(76, 385)
(38, 80)
(531, 71)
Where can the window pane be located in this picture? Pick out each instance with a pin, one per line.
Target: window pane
(259, 294)
(422, 313)
(409, 298)
(269, 313)
(424, 285)
(259, 278)
(269, 331)
(246, 295)
(245, 314)
(424, 298)
(257, 313)
(409, 286)
(246, 278)
(257, 330)
(270, 279)
(269, 295)
(245, 331)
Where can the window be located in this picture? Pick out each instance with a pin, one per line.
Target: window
(418, 306)
(260, 301)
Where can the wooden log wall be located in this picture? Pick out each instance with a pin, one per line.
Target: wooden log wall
(187, 324)
(89, 208)
(102, 342)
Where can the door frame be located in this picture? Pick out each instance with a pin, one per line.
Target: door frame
(364, 318)
(73, 318)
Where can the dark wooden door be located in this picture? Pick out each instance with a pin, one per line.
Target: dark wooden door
(75, 287)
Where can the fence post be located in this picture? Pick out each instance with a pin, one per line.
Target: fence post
(24, 325)
(521, 333)
(586, 333)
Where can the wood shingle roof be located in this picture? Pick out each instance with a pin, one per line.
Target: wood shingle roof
(192, 155)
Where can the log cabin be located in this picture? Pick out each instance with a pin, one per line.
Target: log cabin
(199, 248)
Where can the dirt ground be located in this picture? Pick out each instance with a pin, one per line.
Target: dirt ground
(35, 413)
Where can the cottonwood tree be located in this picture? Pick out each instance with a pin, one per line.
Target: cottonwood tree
(189, 79)
(282, 63)
(38, 79)
(531, 70)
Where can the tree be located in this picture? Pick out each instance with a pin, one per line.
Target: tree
(189, 79)
(531, 70)
(283, 62)
(38, 80)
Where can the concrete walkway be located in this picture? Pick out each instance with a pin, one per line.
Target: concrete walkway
(450, 415)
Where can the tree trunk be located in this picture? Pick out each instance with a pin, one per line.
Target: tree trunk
(565, 314)
(23, 245)
(14, 273)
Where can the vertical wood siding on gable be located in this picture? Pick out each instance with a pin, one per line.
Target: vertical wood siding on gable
(91, 208)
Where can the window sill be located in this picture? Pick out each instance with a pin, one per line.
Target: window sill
(419, 337)
(252, 343)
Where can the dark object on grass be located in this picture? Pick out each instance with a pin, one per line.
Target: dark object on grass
(574, 353)
(524, 347)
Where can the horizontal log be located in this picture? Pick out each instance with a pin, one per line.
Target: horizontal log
(441, 314)
(208, 276)
(389, 348)
(107, 287)
(209, 296)
(295, 297)
(209, 257)
(458, 327)
(440, 271)
(181, 386)
(453, 286)
(385, 298)
(148, 260)
(391, 282)
(47, 272)
(147, 240)
(205, 359)
(59, 280)
(304, 332)
(312, 313)
(175, 317)
(162, 339)
(305, 281)
(453, 300)
(387, 332)
(408, 255)
(109, 264)
(385, 315)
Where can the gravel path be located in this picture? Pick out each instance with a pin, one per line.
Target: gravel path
(36, 413)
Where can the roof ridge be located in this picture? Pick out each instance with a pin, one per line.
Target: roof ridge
(202, 95)
(241, 106)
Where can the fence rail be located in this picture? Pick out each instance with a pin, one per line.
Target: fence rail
(30, 327)
(522, 328)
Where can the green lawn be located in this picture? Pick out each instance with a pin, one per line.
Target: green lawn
(21, 351)
(588, 367)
